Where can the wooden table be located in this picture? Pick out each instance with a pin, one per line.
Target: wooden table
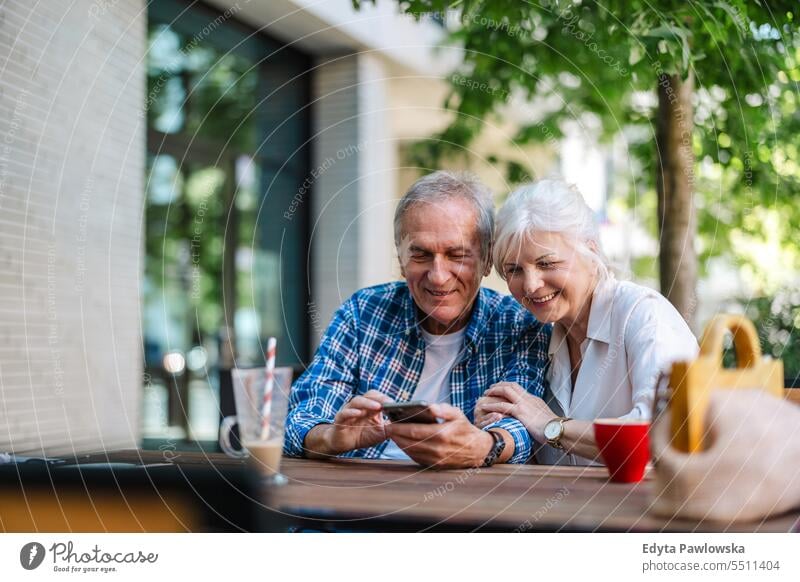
(398, 496)
(356, 495)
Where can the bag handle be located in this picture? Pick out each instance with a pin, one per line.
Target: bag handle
(745, 339)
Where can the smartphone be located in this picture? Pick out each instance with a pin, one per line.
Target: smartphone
(413, 411)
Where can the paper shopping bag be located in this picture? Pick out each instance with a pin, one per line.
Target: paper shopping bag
(692, 382)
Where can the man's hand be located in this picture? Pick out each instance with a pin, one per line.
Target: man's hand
(455, 443)
(750, 470)
(358, 424)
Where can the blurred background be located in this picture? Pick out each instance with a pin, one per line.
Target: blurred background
(182, 180)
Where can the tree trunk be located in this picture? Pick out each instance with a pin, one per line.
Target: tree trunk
(675, 185)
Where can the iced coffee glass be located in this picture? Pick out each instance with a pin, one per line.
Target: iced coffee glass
(261, 416)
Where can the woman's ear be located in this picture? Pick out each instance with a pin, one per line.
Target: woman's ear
(592, 245)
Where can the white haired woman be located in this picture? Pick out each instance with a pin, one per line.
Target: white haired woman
(610, 340)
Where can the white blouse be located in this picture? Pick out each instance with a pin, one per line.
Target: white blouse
(633, 334)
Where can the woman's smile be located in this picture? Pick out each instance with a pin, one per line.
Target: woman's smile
(544, 299)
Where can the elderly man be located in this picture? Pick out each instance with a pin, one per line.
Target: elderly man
(439, 336)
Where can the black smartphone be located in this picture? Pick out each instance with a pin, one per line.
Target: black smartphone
(413, 411)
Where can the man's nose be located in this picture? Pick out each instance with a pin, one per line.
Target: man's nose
(438, 274)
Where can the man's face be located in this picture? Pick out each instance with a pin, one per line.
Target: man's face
(441, 260)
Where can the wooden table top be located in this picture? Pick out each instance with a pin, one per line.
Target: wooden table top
(395, 495)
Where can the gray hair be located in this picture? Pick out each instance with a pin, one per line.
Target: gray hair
(548, 206)
(443, 185)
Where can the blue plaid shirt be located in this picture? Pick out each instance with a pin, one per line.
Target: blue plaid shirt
(374, 342)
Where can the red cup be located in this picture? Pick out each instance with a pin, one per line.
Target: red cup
(624, 446)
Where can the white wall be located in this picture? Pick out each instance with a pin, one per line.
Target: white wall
(72, 149)
(354, 189)
(378, 174)
(329, 27)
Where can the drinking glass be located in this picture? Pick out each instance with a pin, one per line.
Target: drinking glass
(261, 418)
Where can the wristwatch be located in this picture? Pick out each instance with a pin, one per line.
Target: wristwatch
(497, 449)
(554, 430)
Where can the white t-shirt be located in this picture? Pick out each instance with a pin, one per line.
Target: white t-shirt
(441, 353)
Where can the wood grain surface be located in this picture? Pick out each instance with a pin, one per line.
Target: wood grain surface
(349, 494)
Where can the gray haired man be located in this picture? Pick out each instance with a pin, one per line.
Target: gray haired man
(437, 336)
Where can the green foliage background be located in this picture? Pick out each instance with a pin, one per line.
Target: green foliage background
(602, 59)
(598, 64)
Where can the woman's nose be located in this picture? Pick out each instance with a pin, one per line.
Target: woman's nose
(533, 282)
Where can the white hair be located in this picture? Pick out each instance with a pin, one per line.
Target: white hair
(443, 185)
(547, 206)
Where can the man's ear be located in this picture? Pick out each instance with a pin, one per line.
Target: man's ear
(487, 269)
(403, 254)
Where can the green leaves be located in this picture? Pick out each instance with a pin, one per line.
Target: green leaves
(670, 35)
(602, 59)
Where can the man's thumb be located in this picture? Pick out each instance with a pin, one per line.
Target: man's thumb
(446, 411)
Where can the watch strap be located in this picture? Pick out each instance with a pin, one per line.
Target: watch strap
(497, 449)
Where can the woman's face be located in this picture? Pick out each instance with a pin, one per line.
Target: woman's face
(548, 276)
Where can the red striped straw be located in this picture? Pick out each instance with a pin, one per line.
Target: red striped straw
(269, 374)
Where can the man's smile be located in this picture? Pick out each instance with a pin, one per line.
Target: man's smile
(439, 293)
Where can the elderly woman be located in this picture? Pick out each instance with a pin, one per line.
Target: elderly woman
(610, 340)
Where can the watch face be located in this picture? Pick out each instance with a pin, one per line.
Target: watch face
(552, 429)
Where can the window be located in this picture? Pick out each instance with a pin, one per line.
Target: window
(227, 118)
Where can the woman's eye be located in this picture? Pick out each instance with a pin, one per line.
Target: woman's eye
(512, 271)
(546, 265)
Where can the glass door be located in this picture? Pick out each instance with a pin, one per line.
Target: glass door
(217, 281)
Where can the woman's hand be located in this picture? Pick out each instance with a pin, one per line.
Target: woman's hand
(484, 417)
(510, 399)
